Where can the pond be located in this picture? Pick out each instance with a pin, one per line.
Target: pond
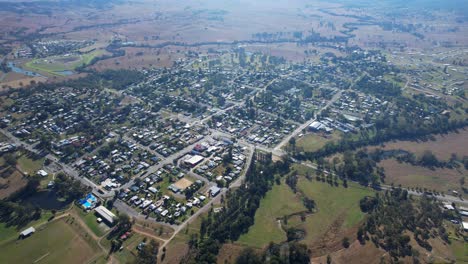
(47, 200)
(17, 69)
(65, 72)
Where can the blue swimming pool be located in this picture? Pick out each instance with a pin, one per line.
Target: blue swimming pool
(89, 201)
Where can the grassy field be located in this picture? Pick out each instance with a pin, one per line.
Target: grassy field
(313, 142)
(338, 209)
(29, 165)
(91, 221)
(57, 242)
(278, 202)
(56, 64)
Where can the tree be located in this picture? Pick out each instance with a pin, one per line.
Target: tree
(148, 253)
(299, 254)
(10, 159)
(248, 256)
(345, 242)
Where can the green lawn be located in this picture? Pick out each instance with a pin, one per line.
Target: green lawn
(11, 233)
(31, 166)
(313, 142)
(57, 242)
(337, 207)
(278, 202)
(91, 221)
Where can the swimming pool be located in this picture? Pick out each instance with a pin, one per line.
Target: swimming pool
(89, 201)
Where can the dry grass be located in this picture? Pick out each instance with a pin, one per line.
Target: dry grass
(415, 176)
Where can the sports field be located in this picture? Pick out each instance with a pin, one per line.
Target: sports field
(57, 242)
(62, 65)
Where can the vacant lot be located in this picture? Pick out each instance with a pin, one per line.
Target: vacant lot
(278, 202)
(183, 184)
(338, 214)
(415, 176)
(58, 242)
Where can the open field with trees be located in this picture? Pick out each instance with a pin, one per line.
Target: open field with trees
(280, 201)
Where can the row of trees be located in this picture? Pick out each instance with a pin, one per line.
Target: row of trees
(237, 214)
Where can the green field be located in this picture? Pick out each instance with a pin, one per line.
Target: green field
(337, 208)
(8, 233)
(56, 64)
(57, 242)
(91, 221)
(29, 165)
(313, 142)
(278, 202)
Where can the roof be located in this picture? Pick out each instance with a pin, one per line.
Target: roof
(465, 225)
(28, 231)
(214, 190)
(105, 213)
(194, 159)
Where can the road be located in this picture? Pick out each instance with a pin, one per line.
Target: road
(442, 198)
(215, 200)
(306, 124)
(64, 167)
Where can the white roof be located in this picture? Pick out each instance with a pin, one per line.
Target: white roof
(28, 231)
(195, 159)
(465, 225)
(105, 213)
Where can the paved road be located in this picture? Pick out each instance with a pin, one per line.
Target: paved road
(215, 200)
(306, 124)
(445, 198)
(64, 167)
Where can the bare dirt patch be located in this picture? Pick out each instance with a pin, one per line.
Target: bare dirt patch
(183, 183)
(11, 184)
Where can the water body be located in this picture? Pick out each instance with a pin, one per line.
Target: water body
(65, 73)
(17, 69)
(47, 200)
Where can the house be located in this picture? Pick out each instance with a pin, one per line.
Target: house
(27, 232)
(214, 191)
(465, 226)
(42, 173)
(107, 215)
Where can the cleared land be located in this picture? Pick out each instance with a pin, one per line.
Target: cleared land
(183, 183)
(442, 146)
(58, 242)
(415, 176)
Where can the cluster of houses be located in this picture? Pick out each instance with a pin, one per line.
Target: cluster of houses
(224, 162)
(58, 47)
(116, 166)
(463, 215)
(264, 129)
(169, 138)
(7, 147)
